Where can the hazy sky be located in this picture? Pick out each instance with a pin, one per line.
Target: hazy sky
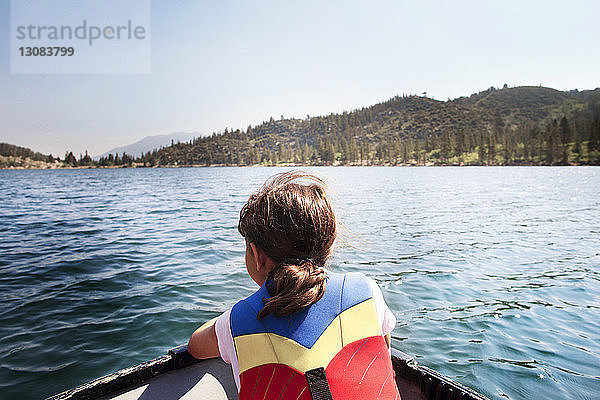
(218, 64)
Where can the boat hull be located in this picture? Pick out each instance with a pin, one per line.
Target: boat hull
(177, 375)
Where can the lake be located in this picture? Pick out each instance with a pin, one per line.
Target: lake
(493, 273)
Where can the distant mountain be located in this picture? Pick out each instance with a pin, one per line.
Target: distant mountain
(150, 143)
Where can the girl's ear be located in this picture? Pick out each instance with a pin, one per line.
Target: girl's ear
(263, 263)
(254, 251)
(256, 254)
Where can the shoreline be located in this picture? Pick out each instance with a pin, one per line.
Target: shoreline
(338, 165)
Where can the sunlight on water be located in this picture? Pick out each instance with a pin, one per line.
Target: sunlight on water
(493, 273)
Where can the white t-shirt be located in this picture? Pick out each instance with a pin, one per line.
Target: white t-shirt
(387, 320)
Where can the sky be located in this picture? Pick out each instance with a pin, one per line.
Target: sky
(230, 64)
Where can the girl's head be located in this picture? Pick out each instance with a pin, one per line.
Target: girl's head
(291, 220)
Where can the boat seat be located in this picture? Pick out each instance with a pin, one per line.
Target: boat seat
(211, 380)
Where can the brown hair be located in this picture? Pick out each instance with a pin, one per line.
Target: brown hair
(291, 219)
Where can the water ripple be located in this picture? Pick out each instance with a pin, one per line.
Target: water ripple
(492, 272)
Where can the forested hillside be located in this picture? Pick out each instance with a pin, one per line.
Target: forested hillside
(12, 156)
(521, 125)
(509, 126)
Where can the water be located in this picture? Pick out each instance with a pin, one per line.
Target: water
(492, 273)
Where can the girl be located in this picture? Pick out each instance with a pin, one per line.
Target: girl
(307, 333)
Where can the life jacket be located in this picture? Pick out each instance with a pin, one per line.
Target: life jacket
(333, 349)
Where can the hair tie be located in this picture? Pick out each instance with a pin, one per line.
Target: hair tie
(299, 261)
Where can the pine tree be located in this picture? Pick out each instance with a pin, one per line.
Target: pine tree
(417, 153)
(552, 150)
(379, 151)
(594, 143)
(281, 153)
(70, 159)
(507, 147)
(353, 151)
(577, 147)
(86, 160)
(445, 147)
(345, 152)
(481, 153)
(565, 131)
(460, 143)
(491, 149)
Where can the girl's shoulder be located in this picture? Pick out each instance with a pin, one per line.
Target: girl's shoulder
(351, 283)
(244, 313)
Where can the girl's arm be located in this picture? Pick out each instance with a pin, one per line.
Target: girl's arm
(203, 343)
(388, 340)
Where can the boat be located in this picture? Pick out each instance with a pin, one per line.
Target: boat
(178, 375)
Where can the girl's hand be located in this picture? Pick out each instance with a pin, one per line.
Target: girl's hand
(388, 340)
(203, 343)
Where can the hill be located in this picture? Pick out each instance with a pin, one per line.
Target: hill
(525, 125)
(520, 125)
(12, 156)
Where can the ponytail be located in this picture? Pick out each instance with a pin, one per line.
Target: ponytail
(293, 287)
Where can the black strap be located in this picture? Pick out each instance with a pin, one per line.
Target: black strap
(318, 385)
